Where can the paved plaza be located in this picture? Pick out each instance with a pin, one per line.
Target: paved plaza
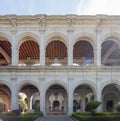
(56, 118)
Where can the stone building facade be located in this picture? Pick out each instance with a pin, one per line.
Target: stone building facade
(59, 62)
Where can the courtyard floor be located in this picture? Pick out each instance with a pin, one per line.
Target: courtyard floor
(56, 118)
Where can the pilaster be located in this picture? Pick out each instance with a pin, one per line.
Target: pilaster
(70, 47)
(99, 98)
(42, 48)
(14, 96)
(98, 49)
(14, 49)
(42, 99)
(70, 96)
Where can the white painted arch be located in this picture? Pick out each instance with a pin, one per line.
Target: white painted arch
(108, 83)
(34, 37)
(9, 85)
(85, 36)
(87, 83)
(54, 82)
(27, 82)
(56, 35)
(6, 36)
(111, 36)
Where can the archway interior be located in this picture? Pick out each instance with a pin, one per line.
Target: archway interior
(56, 100)
(83, 53)
(5, 52)
(30, 94)
(81, 96)
(56, 49)
(5, 98)
(110, 95)
(29, 52)
(110, 53)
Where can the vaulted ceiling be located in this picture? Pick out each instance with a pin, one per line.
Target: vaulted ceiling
(56, 48)
(111, 49)
(4, 90)
(29, 49)
(83, 49)
(6, 46)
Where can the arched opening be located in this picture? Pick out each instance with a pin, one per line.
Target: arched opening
(5, 52)
(110, 54)
(56, 53)
(83, 53)
(110, 97)
(30, 94)
(56, 100)
(29, 52)
(5, 98)
(81, 96)
(56, 105)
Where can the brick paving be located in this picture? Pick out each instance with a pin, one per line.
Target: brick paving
(56, 118)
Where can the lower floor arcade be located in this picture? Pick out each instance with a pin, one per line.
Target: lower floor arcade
(57, 99)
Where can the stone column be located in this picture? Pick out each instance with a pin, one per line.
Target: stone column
(28, 97)
(98, 49)
(99, 98)
(70, 96)
(14, 96)
(42, 49)
(31, 103)
(70, 48)
(83, 102)
(42, 99)
(15, 51)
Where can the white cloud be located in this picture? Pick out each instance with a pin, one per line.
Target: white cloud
(110, 7)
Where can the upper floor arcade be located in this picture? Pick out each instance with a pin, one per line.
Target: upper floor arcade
(59, 40)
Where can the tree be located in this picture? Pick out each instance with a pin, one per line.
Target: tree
(23, 105)
(91, 106)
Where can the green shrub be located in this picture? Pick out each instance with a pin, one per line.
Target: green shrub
(96, 118)
(115, 113)
(103, 114)
(117, 107)
(36, 113)
(25, 117)
(8, 114)
(101, 118)
(82, 113)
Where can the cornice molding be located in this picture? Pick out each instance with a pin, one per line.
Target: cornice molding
(69, 19)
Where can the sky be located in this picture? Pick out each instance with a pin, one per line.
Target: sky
(60, 7)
